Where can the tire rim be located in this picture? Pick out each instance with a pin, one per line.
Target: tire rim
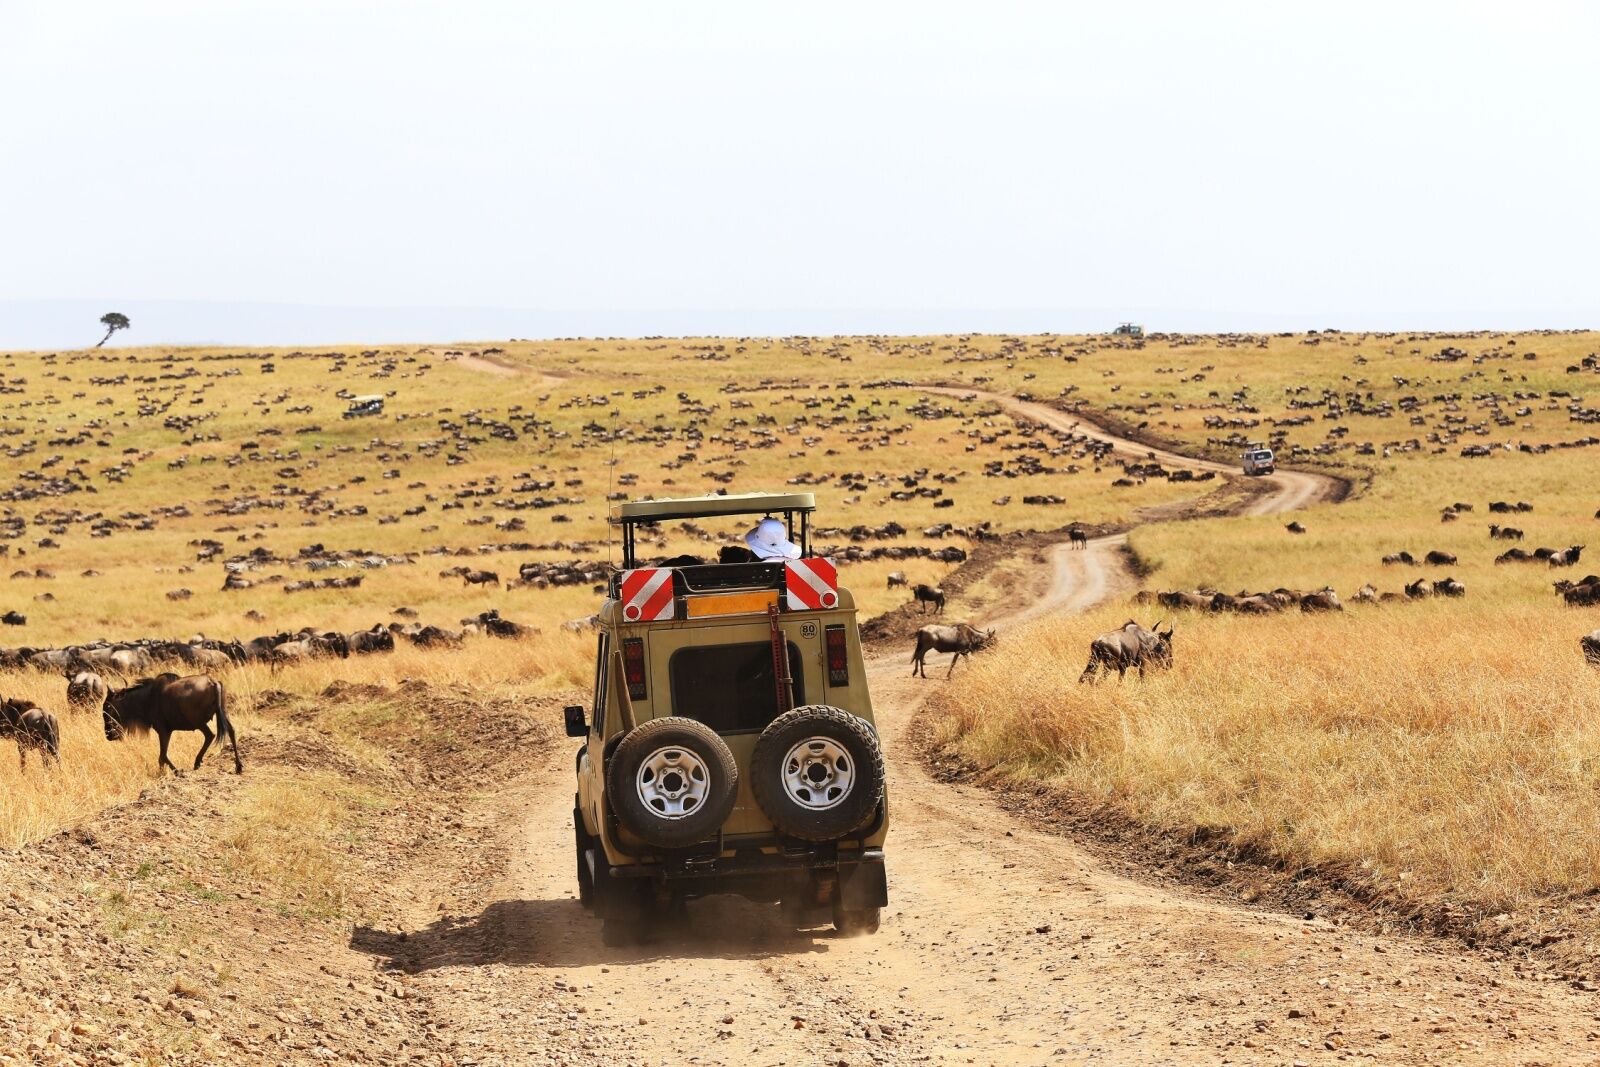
(673, 782)
(818, 773)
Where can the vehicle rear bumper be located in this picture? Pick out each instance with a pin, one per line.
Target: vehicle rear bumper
(861, 872)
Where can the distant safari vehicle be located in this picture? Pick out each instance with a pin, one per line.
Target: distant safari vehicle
(1258, 461)
(1128, 329)
(364, 405)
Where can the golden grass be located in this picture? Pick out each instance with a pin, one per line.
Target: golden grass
(1428, 762)
(1440, 748)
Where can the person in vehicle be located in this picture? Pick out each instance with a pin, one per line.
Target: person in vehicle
(770, 540)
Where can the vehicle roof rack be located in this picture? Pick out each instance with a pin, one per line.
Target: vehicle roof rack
(696, 507)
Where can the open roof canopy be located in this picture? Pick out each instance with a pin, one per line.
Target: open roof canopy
(697, 507)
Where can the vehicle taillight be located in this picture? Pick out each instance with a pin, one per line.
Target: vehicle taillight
(633, 667)
(838, 657)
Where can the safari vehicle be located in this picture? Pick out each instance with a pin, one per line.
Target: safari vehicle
(729, 746)
(363, 405)
(1128, 329)
(1258, 460)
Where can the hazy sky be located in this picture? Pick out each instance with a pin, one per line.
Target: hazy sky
(285, 170)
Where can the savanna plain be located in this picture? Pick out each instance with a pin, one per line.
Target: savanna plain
(1416, 769)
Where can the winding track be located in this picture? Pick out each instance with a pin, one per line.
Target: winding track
(1002, 944)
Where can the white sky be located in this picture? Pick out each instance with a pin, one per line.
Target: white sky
(655, 167)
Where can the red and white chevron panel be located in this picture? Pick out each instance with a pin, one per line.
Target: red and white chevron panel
(647, 594)
(811, 584)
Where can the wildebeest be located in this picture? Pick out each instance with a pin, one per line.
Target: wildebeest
(1504, 533)
(86, 689)
(1449, 587)
(896, 578)
(1295, 528)
(480, 578)
(961, 639)
(1367, 594)
(1566, 557)
(14, 618)
(166, 704)
(31, 727)
(1514, 555)
(1131, 646)
(1437, 558)
(1590, 643)
(928, 594)
(1419, 589)
(1078, 537)
(1323, 600)
(1182, 599)
(1398, 557)
(377, 639)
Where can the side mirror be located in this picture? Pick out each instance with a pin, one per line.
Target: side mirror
(577, 725)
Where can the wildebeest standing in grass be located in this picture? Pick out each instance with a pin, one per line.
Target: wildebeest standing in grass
(896, 578)
(1590, 643)
(31, 727)
(1131, 646)
(1567, 556)
(480, 578)
(1078, 537)
(167, 704)
(86, 689)
(961, 639)
(927, 594)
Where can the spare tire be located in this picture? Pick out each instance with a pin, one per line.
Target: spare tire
(817, 772)
(672, 782)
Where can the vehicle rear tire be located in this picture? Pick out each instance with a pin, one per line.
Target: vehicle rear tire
(817, 772)
(672, 782)
(856, 922)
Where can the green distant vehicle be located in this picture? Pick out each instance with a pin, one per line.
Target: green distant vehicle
(1128, 329)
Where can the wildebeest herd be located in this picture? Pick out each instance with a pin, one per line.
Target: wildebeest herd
(164, 704)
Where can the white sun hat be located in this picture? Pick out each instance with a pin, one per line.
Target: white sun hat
(770, 540)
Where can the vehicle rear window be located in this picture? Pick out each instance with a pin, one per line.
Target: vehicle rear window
(730, 688)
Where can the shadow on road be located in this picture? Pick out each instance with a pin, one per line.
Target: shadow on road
(559, 933)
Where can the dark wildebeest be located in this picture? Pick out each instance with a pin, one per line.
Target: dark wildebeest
(1449, 587)
(1514, 555)
(1419, 589)
(1500, 507)
(1398, 557)
(376, 639)
(166, 704)
(1440, 559)
(927, 594)
(1590, 643)
(1180, 598)
(961, 639)
(1504, 533)
(896, 578)
(1295, 528)
(31, 727)
(480, 578)
(1324, 599)
(86, 689)
(14, 618)
(1078, 537)
(1566, 557)
(1131, 646)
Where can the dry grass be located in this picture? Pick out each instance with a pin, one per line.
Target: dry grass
(1430, 763)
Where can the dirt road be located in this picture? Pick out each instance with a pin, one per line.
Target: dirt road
(1002, 944)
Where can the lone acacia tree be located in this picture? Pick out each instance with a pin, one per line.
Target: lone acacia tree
(113, 321)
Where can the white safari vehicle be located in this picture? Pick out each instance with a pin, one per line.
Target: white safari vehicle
(729, 746)
(1258, 461)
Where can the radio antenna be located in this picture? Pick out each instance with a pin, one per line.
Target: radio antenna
(611, 483)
